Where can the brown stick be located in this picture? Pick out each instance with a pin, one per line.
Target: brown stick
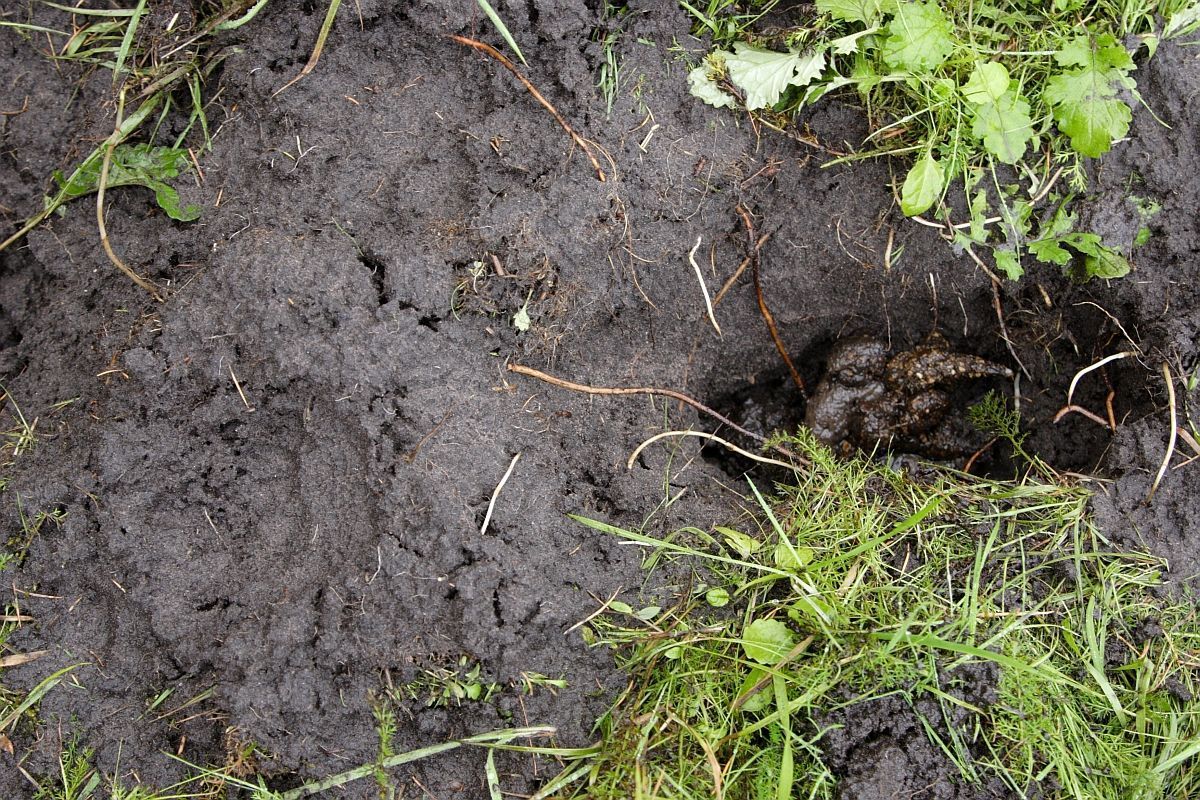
(737, 273)
(754, 255)
(628, 390)
(503, 59)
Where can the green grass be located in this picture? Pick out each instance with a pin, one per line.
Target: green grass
(159, 69)
(859, 583)
(996, 105)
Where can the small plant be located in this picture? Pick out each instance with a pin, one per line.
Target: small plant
(445, 686)
(998, 104)
(1059, 666)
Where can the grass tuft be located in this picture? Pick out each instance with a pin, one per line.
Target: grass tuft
(1061, 667)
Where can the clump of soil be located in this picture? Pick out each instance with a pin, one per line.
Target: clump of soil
(274, 483)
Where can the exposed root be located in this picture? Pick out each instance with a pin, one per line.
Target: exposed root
(703, 287)
(737, 273)
(631, 390)
(1090, 367)
(704, 435)
(1074, 409)
(754, 255)
(487, 518)
(584, 144)
(1166, 462)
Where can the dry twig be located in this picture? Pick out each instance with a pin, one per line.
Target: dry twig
(754, 253)
(584, 145)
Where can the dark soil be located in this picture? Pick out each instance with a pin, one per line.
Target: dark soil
(299, 556)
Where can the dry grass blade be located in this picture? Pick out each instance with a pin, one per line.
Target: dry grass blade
(17, 659)
(317, 49)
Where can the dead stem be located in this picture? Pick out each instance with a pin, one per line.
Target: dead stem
(100, 187)
(755, 264)
(326, 25)
(632, 390)
(584, 145)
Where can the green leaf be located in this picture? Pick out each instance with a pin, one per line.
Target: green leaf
(922, 187)
(1100, 261)
(1083, 98)
(792, 559)
(844, 45)
(740, 543)
(620, 607)
(767, 641)
(648, 613)
(134, 165)
(1004, 127)
(988, 83)
(867, 11)
(764, 75)
(703, 87)
(1008, 263)
(717, 598)
(920, 39)
(1050, 251)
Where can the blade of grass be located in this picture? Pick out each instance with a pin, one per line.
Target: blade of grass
(502, 28)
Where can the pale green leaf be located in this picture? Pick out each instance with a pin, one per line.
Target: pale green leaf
(792, 559)
(767, 641)
(717, 598)
(1008, 263)
(868, 11)
(1182, 22)
(521, 319)
(703, 87)
(920, 37)
(922, 187)
(1004, 127)
(740, 543)
(988, 83)
(844, 45)
(764, 75)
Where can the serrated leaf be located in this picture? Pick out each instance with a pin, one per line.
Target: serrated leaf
(844, 45)
(920, 37)
(764, 75)
(1100, 261)
(922, 187)
(1083, 98)
(1050, 251)
(1008, 263)
(134, 165)
(868, 11)
(767, 641)
(1004, 127)
(701, 86)
(988, 83)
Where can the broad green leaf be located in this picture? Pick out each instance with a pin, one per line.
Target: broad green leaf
(868, 11)
(920, 39)
(745, 546)
(792, 559)
(756, 702)
(648, 613)
(988, 83)
(1050, 251)
(807, 610)
(717, 598)
(620, 607)
(1083, 98)
(764, 75)
(922, 187)
(1100, 261)
(767, 641)
(1004, 127)
(1008, 263)
(134, 165)
(706, 89)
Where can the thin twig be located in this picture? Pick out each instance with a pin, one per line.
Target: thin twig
(241, 393)
(703, 287)
(584, 145)
(737, 273)
(755, 264)
(632, 390)
(100, 187)
(487, 518)
(1166, 462)
(1000, 321)
(704, 435)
